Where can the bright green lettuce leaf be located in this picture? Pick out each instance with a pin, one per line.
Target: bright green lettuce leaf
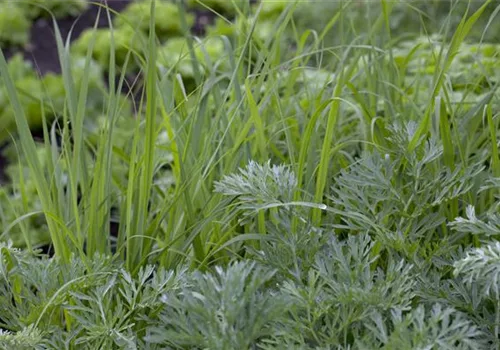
(125, 40)
(167, 18)
(14, 24)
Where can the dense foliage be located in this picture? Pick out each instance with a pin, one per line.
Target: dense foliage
(266, 186)
(16, 16)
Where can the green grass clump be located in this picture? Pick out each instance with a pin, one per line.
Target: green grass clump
(35, 94)
(21, 197)
(43, 98)
(262, 196)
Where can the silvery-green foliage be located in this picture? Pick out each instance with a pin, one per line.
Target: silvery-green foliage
(491, 183)
(258, 186)
(399, 191)
(35, 290)
(105, 306)
(291, 252)
(228, 309)
(112, 314)
(481, 267)
(437, 283)
(29, 338)
(472, 224)
(341, 291)
(290, 249)
(346, 268)
(314, 319)
(41, 286)
(424, 329)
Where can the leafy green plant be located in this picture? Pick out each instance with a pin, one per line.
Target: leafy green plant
(43, 97)
(229, 309)
(16, 17)
(228, 8)
(438, 327)
(14, 25)
(28, 338)
(37, 95)
(166, 18)
(127, 41)
(56, 8)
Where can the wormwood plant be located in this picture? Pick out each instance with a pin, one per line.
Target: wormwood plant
(278, 202)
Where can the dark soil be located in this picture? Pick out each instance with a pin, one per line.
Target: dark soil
(3, 165)
(203, 19)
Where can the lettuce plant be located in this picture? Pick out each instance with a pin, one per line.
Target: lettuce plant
(36, 93)
(46, 95)
(270, 10)
(226, 7)
(167, 18)
(16, 16)
(127, 41)
(57, 8)
(221, 26)
(210, 54)
(14, 24)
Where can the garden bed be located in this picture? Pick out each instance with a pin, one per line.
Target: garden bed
(304, 175)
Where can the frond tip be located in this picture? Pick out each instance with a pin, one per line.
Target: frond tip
(438, 328)
(481, 266)
(260, 183)
(27, 338)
